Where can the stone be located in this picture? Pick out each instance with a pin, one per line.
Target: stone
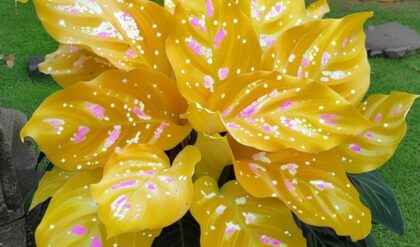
(10, 198)
(34, 62)
(22, 153)
(13, 234)
(17, 178)
(392, 40)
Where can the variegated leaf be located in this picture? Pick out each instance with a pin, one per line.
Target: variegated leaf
(271, 111)
(272, 17)
(330, 51)
(81, 126)
(130, 34)
(215, 155)
(315, 188)
(372, 148)
(140, 190)
(71, 64)
(232, 217)
(72, 219)
(209, 44)
(49, 184)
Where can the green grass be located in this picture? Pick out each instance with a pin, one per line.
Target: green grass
(22, 34)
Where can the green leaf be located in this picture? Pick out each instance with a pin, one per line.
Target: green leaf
(326, 237)
(380, 199)
(183, 233)
(160, 2)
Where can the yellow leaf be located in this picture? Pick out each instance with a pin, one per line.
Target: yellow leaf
(72, 219)
(140, 190)
(232, 217)
(215, 155)
(81, 126)
(130, 34)
(204, 120)
(271, 111)
(71, 64)
(272, 17)
(372, 148)
(204, 48)
(314, 188)
(49, 184)
(330, 51)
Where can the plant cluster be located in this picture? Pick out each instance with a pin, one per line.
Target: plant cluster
(241, 117)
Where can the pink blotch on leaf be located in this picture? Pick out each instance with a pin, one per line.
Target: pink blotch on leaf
(96, 242)
(356, 148)
(223, 73)
(369, 135)
(124, 184)
(80, 136)
(289, 185)
(345, 42)
(74, 48)
(113, 137)
(105, 34)
(227, 111)
(396, 111)
(220, 36)
(378, 117)
(232, 126)
(286, 105)
(151, 186)
(96, 110)
(158, 132)
(78, 230)
(210, 8)
(195, 47)
(209, 83)
(130, 52)
(325, 58)
(249, 110)
(305, 62)
(55, 123)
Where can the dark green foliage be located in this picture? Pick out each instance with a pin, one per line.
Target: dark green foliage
(380, 199)
(326, 237)
(183, 233)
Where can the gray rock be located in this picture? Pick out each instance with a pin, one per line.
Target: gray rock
(34, 62)
(17, 178)
(11, 208)
(13, 234)
(392, 39)
(22, 154)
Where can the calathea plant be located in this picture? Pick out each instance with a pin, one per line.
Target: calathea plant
(158, 101)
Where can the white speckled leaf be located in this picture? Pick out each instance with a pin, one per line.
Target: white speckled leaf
(130, 34)
(314, 186)
(81, 126)
(330, 51)
(72, 219)
(271, 111)
(372, 148)
(272, 17)
(232, 217)
(71, 64)
(140, 190)
(210, 43)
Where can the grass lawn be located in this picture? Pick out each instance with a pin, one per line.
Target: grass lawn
(22, 34)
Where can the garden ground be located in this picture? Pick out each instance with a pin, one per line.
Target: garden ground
(22, 34)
